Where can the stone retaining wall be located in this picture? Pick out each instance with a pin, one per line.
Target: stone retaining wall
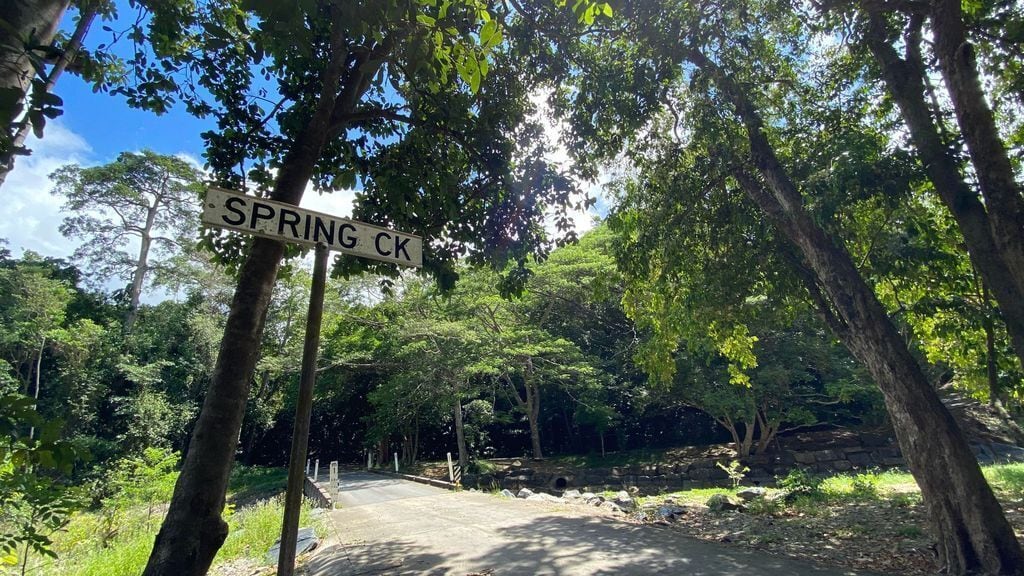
(862, 453)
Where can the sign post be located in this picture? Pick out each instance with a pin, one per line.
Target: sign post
(303, 411)
(288, 223)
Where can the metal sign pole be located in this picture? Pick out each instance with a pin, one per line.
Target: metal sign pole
(303, 410)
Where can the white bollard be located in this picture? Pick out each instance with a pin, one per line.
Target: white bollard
(451, 469)
(316, 470)
(396, 461)
(369, 461)
(307, 467)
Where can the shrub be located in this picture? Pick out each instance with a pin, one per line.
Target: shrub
(865, 486)
(800, 482)
(736, 471)
(765, 506)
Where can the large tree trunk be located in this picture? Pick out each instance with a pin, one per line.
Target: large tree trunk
(970, 526)
(989, 253)
(977, 123)
(193, 530)
(66, 58)
(35, 19)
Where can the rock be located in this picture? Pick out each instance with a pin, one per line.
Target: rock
(804, 457)
(611, 507)
(595, 500)
(572, 495)
(587, 495)
(722, 503)
(624, 501)
(535, 498)
(748, 494)
(669, 512)
(552, 499)
(524, 493)
(507, 493)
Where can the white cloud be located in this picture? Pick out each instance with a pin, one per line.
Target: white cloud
(337, 203)
(32, 213)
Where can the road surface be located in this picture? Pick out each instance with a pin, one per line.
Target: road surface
(392, 526)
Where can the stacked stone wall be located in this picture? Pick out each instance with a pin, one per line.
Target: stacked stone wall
(848, 454)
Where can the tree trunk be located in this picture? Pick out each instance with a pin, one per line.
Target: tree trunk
(977, 123)
(533, 409)
(39, 369)
(748, 439)
(904, 79)
(193, 529)
(460, 433)
(38, 19)
(66, 58)
(991, 366)
(141, 268)
(968, 521)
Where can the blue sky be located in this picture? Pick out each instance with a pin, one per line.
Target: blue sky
(93, 130)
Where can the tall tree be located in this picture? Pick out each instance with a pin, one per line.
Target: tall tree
(992, 230)
(734, 56)
(148, 197)
(527, 358)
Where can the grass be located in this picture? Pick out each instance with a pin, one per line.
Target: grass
(253, 483)
(896, 488)
(1007, 479)
(253, 516)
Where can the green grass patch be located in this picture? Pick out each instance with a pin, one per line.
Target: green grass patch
(252, 483)
(897, 489)
(1006, 479)
(482, 467)
(116, 542)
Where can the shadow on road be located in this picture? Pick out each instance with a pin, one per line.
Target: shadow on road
(556, 545)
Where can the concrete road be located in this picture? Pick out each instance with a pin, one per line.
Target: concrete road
(391, 526)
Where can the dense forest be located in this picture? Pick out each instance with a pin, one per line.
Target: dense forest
(812, 218)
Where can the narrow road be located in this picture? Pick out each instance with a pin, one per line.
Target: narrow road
(391, 526)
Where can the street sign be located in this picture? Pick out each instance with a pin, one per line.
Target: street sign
(288, 223)
(280, 221)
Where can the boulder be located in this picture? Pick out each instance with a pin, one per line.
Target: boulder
(594, 500)
(752, 493)
(624, 501)
(572, 495)
(536, 498)
(507, 493)
(611, 507)
(524, 493)
(722, 503)
(587, 495)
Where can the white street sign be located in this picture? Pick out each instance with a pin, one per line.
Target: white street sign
(280, 221)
